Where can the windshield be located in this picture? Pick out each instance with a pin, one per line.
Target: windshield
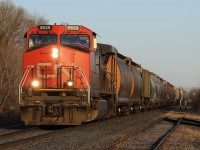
(42, 39)
(77, 39)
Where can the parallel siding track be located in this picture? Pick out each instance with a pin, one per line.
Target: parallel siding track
(150, 137)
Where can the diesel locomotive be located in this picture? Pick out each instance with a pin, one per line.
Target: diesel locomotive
(69, 78)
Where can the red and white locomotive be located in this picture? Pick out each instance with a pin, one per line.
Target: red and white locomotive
(68, 79)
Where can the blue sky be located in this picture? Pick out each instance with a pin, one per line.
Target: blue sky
(161, 35)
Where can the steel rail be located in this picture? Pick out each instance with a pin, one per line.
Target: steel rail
(191, 122)
(37, 138)
(114, 145)
(10, 134)
(161, 140)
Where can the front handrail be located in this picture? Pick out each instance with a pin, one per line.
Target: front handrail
(84, 77)
(31, 67)
(23, 80)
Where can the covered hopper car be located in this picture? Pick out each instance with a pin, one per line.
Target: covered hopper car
(69, 78)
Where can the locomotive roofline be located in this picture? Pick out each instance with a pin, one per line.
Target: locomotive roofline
(25, 35)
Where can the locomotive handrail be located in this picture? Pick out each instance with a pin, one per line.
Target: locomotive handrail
(84, 77)
(83, 74)
(31, 66)
(23, 80)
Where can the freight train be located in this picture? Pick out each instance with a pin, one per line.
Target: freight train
(69, 78)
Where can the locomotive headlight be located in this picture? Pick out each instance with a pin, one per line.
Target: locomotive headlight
(55, 52)
(35, 83)
(70, 83)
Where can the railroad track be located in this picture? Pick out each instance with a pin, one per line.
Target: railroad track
(15, 138)
(161, 140)
(182, 120)
(191, 122)
(8, 134)
(166, 122)
(150, 137)
(42, 135)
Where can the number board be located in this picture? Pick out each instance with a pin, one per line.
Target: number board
(45, 27)
(72, 27)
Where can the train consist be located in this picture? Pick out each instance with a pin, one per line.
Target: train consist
(69, 78)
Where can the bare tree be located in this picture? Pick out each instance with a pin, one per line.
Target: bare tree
(14, 21)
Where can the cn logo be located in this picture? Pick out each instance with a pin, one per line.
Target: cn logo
(55, 70)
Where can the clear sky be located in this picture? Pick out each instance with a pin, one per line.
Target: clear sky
(161, 35)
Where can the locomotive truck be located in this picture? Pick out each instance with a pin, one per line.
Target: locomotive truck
(69, 78)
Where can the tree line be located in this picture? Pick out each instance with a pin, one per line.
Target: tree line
(14, 22)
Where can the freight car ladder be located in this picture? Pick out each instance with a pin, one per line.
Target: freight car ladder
(108, 77)
(108, 84)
